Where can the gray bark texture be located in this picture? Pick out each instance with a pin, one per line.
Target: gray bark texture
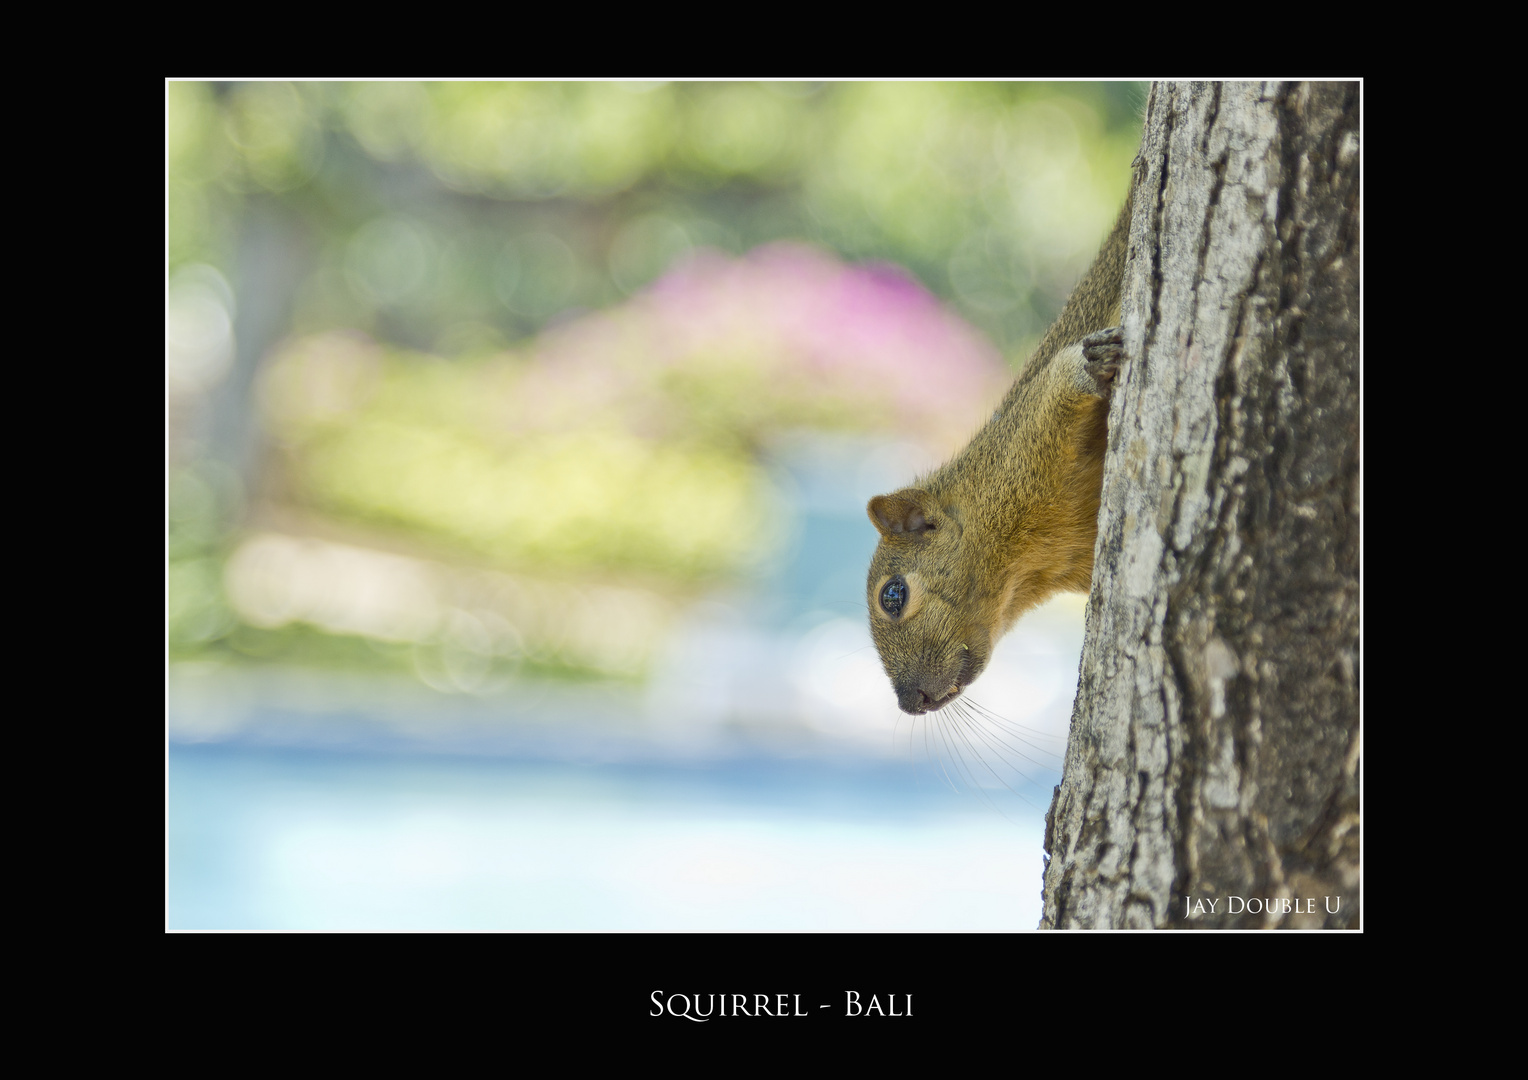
(1212, 773)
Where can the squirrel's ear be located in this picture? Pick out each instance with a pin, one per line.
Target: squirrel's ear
(909, 511)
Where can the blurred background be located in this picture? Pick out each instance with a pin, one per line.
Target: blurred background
(518, 443)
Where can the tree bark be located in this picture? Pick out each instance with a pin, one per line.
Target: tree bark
(1212, 773)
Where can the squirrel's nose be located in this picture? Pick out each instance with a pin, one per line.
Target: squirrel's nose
(914, 699)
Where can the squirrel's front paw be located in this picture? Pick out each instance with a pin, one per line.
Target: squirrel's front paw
(1102, 351)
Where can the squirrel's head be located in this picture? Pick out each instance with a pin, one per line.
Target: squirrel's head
(931, 640)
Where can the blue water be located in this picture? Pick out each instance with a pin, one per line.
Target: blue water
(312, 839)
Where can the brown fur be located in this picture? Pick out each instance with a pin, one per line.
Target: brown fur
(1011, 519)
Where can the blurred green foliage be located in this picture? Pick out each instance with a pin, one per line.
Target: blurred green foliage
(589, 497)
(570, 195)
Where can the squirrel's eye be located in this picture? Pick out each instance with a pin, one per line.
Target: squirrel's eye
(893, 596)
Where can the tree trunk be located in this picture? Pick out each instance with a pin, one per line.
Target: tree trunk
(1212, 774)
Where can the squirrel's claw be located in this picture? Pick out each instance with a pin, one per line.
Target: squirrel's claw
(1102, 352)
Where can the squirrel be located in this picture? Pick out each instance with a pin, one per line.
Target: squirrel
(1011, 519)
